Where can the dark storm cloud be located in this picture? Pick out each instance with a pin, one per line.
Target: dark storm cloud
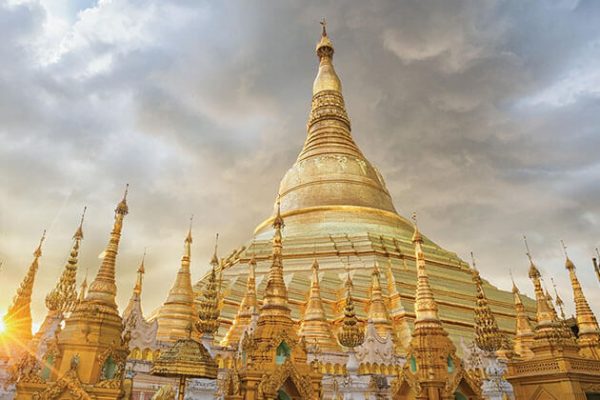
(481, 115)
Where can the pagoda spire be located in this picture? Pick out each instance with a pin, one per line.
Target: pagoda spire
(247, 311)
(487, 335)
(589, 332)
(135, 299)
(432, 359)
(378, 313)
(95, 321)
(178, 311)
(17, 320)
(137, 289)
(549, 331)
(523, 332)
(103, 288)
(275, 300)
(314, 326)
(208, 306)
(426, 308)
(63, 297)
(558, 300)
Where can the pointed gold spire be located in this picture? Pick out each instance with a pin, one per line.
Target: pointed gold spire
(214, 262)
(315, 327)
(103, 288)
(550, 333)
(523, 332)
(487, 334)
(589, 332)
(137, 289)
(17, 321)
(275, 301)
(378, 313)
(350, 334)
(426, 308)
(247, 310)
(208, 306)
(544, 311)
(178, 311)
(558, 300)
(63, 297)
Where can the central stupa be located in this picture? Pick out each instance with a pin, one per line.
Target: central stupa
(338, 210)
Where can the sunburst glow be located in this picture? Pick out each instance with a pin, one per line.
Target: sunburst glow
(2, 326)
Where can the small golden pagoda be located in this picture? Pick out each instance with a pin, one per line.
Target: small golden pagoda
(588, 336)
(90, 361)
(62, 299)
(17, 321)
(274, 358)
(247, 312)
(208, 305)
(185, 359)
(487, 334)
(524, 337)
(555, 366)
(314, 327)
(177, 312)
(433, 371)
(378, 313)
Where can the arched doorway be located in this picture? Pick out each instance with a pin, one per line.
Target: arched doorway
(282, 395)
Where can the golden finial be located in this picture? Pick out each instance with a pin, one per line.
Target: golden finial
(122, 206)
(79, 232)
(140, 275)
(417, 235)
(559, 301)
(533, 271)
(188, 238)
(38, 251)
(528, 253)
(324, 25)
(214, 262)
(278, 221)
(515, 289)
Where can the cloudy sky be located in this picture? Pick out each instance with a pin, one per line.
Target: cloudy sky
(483, 116)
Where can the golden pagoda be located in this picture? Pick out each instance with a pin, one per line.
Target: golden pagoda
(554, 366)
(63, 298)
(487, 335)
(274, 357)
(17, 321)
(208, 306)
(523, 338)
(315, 327)
(178, 311)
(90, 362)
(247, 312)
(588, 336)
(338, 210)
(433, 371)
(378, 314)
